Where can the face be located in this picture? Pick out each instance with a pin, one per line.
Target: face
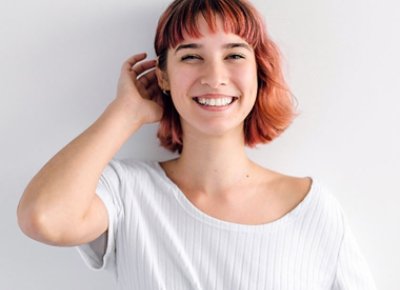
(213, 81)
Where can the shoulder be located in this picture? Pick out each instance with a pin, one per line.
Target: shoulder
(131, 170)
(316, 198)
(314, 204)
(299, 186)
(129, 165)
(290, 189)
(321, 197)
(323, 208)
(132, 178)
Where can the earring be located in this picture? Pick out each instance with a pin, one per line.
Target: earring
(165, 92)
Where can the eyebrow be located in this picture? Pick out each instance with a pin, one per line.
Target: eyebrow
(225, 46)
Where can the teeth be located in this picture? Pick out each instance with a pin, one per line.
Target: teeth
(215, 102)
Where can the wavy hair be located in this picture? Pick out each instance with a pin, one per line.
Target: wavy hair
(273, 110)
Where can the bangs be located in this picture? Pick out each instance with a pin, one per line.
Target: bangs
(273, 111)
(237, 19)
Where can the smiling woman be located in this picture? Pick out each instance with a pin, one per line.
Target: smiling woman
(216, 72)
(211, 218)
(274, 109)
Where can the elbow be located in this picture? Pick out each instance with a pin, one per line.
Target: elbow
(33, 225)
(24, 220)
(39, 226)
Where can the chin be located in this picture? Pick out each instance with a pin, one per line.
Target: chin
(216, 130)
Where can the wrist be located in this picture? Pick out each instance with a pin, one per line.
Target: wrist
(122, 117)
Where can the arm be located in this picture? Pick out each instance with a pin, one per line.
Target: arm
(59, 205)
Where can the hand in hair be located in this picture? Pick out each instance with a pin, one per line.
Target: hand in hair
(137, 90)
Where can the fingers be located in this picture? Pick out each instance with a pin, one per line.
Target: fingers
(141, 74)
(133, 60)
(149, 86)
(154, 92)
(147, 79)
(136, 66)
(143, 66)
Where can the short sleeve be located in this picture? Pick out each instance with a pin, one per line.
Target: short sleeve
(100, 253)
(352, 272)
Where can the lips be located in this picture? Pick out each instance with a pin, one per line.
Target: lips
(215, 100)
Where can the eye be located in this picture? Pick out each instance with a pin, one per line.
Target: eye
(235, 56)
(190, 57)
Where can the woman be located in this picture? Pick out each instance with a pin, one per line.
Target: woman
(211, 218)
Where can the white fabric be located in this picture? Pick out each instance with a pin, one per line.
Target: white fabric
(157, 239)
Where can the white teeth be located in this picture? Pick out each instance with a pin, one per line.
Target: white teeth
(215, 102)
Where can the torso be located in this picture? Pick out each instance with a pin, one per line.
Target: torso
(271, 200)
(262, 209)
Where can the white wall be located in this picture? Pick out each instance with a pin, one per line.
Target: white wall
(59, 64)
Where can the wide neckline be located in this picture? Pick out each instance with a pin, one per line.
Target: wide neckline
(222, 224)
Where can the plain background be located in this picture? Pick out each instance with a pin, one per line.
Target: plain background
(59, 65)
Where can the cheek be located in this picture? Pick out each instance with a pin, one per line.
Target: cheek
(181, 79)
(246, 78)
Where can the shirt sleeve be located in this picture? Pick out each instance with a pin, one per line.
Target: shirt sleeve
(100, 253)
(352, 272)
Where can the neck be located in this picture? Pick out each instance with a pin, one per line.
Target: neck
(213, 166)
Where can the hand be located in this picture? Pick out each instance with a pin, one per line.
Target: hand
(138, 88)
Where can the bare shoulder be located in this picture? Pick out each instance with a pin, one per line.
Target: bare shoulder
(288, 187)
(296, 185)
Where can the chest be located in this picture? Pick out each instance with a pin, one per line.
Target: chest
(249, 213)
(193, 255)
(260, 209)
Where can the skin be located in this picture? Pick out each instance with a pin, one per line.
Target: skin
(213, 169)
(209, 70)
(59, 205)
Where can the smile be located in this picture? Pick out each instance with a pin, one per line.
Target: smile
(215, 102)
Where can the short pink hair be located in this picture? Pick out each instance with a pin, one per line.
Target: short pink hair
(274, 109)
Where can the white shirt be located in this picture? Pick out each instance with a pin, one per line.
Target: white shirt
(157, 239)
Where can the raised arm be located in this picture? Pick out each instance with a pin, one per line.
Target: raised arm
(59, 205)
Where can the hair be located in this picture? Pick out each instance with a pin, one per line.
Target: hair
(273, 110)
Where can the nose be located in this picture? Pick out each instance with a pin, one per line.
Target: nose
(214, 74)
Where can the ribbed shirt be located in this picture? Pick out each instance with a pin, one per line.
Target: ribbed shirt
(157, 239)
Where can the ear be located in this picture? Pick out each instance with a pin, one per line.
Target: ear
(162, 79)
